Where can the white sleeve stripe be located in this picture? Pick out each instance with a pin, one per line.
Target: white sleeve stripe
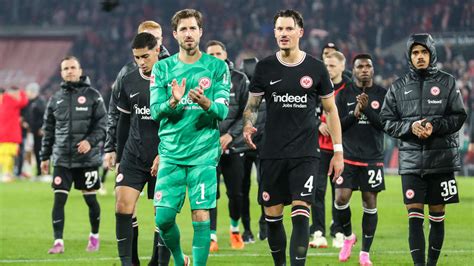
(328, 95)
(123, 110)
(257, 93)
(220, 100)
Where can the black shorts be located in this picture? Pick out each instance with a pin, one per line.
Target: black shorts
(433, 189)
(285, 180)
(86, 178)
(135, 176)
(367, 178)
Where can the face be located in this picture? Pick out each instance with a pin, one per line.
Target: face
(188, 34)
(145, 58)
(420, 57)
(157, 33)
(363, 70)
(71, 70)
(287, 33)
(217, 51)
(334, 67)
(327, 51)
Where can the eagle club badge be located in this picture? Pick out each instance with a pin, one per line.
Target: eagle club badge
(306, 82)
(205, 83)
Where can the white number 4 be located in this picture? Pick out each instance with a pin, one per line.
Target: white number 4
(309, 184)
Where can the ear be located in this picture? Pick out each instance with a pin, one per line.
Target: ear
(175, 34)
(301, 33)
(200, 32)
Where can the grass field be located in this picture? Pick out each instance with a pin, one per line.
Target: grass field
(26, 231)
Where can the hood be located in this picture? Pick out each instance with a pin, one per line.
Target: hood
(427, 41)
(230, 64)
(84, 81)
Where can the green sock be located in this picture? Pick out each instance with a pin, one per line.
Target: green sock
(234, 223)
(169, 231)
(201, 242)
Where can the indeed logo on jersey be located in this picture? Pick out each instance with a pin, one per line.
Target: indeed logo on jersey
(143, 111)
(189, 104)
(291, 101)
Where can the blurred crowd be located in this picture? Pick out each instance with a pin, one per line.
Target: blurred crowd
(246, 27)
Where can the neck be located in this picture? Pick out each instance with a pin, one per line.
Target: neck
(189, 56)
(291, 55)
(364, 84)
(337, 79)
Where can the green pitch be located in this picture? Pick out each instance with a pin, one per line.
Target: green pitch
(26, 231)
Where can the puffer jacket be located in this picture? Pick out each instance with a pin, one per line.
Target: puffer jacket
(237, 100)
(74, 113)
(432, 94)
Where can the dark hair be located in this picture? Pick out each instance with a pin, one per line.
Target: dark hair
(215, 42)
(361, 56)
(289, 13)
(186, 13)
(70, 57)
(144, 40)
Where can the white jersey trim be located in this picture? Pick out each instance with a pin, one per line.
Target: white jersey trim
(327, 95)
(123, 110)
(278, 56)
(145, 77)
(257, 93)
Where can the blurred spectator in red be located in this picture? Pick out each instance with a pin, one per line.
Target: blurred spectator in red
(11, 102)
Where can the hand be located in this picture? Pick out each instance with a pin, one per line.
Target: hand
(357, 111)
(154, 167)
(363, 100)
(45, 167)
(249, 130)
(427, 130)
(178, 90)
(109, 160)
(225, 140)
(197, 96)
(336, 166)
(417, 128)
(324, 129)
(471, 147)
(83, 147)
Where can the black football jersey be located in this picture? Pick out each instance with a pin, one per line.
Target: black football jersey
(134, 99)
(291, 92)
(362, 139)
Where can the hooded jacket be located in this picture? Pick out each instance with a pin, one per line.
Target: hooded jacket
(74, 113)
(429, 94)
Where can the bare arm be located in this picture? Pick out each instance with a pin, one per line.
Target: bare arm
(337, 162)
(250, 118)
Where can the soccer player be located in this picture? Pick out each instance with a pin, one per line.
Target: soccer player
(231, 164)
(359, 107)
(137, 136)
(291, 82)
(189, 96)
(424, 109)
(110, 146)
(335, 63)
(74, 125)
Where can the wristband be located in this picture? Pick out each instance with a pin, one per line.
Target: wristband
(337, 147)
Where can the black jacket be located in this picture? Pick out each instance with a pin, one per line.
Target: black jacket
(114, 114)
(74, 113)
(34, 114)
(430, 94)
(237, 100)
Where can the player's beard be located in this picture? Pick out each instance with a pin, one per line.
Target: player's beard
(190, 50)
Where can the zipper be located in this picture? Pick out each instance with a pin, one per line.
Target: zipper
(70, 129)
(422, 81)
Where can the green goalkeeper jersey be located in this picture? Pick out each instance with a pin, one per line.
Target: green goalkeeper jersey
(189, 135)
